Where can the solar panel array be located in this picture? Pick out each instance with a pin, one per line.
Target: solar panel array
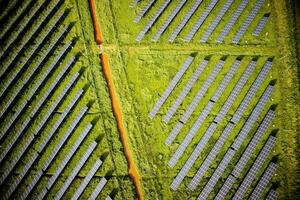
(188, 164)
(98, 188)
(224, 135)
(254, 87)
(273, 195)
(87, 179)
(248, 21)
(171, 86)
(259, 161)
(186, 115)
(39, 95)
(64, 162)
(253, 143)
(25, 40)
(36, 108)
(226, 80)
(232, 20)
(133, 3)
(253, 117)
(226, 187)
(237, 13)
(211, 156)
(245, 130)
(76, 170)
(235, 91)
(200, 20)
(21, 87)
(216, 175)
(262, 23)
(57, 148)
(7, 63)
(35, 132)
(143, 11)
(168, 20)
(264, 181)
(185, 91)
(19, 29)
(216, 21)
(191, 134)
(44, 143)
(193, 157)
(202, 91)
(184, 21)
(152, 20)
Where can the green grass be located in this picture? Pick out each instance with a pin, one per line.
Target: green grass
(141, 72)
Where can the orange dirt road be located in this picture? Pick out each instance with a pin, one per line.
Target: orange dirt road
(116, 108)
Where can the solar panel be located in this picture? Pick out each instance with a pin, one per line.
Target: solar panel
(175, 131)
(98, 189)
(7, 63)
(57, 124)
(108, 198)
(133, 3)
(235, 91)
(32, 91)
(245, 130)
(255, 168)
(191, 134)
(76, 170)
(263, 182)
(171, 86)
(171, 137)
(232, 20)
(193, 157)
(11, 19)
(66, 159)
(216, 175)
(225, 188)
(18, 179)
(253, 143)
(185, 91)
(184, 21)
(202, 91)
(273, 195)
(226, 80)
(200, 20)
(19, 87)
(253, 117)
(216, 21)
(38, 127)
(247, 22)
(11, 165)
(87, 179)
(261, 25)
(211, 156)
(19, 29)
(167, 22)
(143, 11)
(223, 137)
(35, 179)
(253, 89)
(44, 142)
(184, 118)
(153, 20)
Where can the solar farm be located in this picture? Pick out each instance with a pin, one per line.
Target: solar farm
(149, 99)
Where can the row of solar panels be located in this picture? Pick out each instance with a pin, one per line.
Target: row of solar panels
(231, 125)
(35, 62)
(199, 22)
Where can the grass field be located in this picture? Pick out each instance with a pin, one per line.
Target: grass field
(141, 72)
